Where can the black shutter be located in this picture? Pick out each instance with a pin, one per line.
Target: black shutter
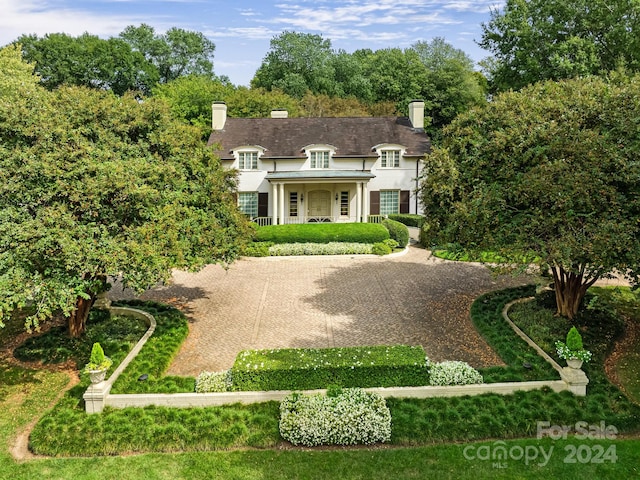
(404, 201)
(263, 204)
(374, 202)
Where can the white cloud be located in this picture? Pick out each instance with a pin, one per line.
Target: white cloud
(39, 17)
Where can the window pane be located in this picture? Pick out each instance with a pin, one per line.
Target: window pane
(390, 158)
(248, 203)
(293, 204)
(248, 160)
(389, 202)
(319, 159)
(344, 204)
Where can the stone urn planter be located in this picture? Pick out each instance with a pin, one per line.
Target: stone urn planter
(98, 364)
(574, 363)
(97, 376)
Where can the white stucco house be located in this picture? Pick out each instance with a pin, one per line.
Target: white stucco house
(297, 170)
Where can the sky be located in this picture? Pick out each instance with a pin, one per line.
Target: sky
(242, 30)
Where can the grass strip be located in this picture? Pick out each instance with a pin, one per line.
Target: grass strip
(486, 314)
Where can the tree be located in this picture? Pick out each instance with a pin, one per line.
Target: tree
(534, 40)
(176, 53)
(552, 171)
(452, 84)
(88, 61)
(93, 185)
(295, 63)
(395, 75)
(190, 99)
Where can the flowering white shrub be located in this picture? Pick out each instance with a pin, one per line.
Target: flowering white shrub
(332, 248)
(208, 382)
(453, 373)
(352, 417)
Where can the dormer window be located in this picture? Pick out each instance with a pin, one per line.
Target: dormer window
(319, 155)
(389, 155)
(390, 158)
(248, 156)
(248, 160)
(319, 159)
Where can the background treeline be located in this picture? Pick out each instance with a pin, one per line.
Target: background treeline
(301, 73)
(528, 42)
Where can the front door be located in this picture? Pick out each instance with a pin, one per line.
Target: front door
(319, 203)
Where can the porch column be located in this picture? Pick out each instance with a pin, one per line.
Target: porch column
(358, 202)
(274, 206)
(365, 203)
(281, 205)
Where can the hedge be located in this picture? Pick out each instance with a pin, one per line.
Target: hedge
(409, 219)
(322, 233)
(397, 231)
(303, 369)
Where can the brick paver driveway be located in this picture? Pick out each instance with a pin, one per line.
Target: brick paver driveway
(414, 299)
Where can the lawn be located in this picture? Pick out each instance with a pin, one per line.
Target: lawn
(30, 393)
(428, 424)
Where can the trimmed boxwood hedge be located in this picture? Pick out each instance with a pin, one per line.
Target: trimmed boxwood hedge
(322, 233)
(409, 219)
(303, 369)
(397, 231)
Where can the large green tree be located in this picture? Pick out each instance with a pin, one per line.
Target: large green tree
(88, 61)
(175, 53)
(552, 170)
(296, 63)
(190, 99)
(533, 40)
(453, 86)
(93, 185)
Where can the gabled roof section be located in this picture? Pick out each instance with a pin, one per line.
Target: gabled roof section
(286, 137)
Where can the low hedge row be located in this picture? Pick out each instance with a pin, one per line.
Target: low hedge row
(322, 233)
(304, 369)
(332, 248)
(409, 219)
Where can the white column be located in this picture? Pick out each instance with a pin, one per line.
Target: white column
(281, 198)
(365, 202)
(274, 204)
(358, 201)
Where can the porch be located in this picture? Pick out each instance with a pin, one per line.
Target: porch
(262, 221)
(318, 196)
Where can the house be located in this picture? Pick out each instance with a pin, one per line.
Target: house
(297, 170)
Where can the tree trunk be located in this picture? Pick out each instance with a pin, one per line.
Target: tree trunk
(78, 318)
(570, 289)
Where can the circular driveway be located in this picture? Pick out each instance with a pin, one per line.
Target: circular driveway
(336, 301)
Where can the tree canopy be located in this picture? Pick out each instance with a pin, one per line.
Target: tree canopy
(93, 185)
(552, 170)
(176, 53)
(533, 40)
(88, 61)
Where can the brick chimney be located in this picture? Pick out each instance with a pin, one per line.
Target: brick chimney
(219, 115)
(416, 114)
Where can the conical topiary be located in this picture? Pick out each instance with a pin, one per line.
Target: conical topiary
(574, 339)
(98, 360)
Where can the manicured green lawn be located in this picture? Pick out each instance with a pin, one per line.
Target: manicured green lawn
(25, 394)
(428, 423)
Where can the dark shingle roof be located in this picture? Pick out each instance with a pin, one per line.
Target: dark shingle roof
(286, 137)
